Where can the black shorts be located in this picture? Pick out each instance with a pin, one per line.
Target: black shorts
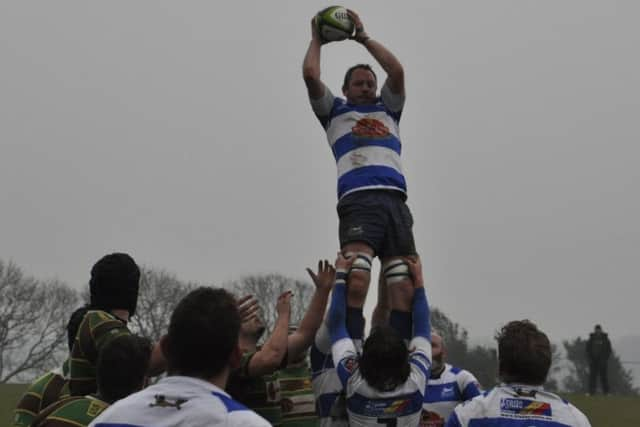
(379, 218)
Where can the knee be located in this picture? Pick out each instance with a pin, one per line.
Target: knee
(357, 285)
(359, 277)
(399, 283)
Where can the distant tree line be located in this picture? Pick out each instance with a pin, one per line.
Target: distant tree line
(34, 314)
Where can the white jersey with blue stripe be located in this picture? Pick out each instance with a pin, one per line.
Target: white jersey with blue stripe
(327, 388)
(179, 401)
(517, 406)
(365, 140)
(369, 407)
(452, 387)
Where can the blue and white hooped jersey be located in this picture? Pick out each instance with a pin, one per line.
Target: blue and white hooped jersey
(327, 388)
(365, 141)
(179, 401)
(452, 387)
(515, 406)
(369, 407)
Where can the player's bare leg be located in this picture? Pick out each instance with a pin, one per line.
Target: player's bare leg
(360, 274)
(400, 289)
(381, 311)
(357, 287)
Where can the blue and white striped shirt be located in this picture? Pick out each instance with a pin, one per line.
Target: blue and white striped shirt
(515, 405)
(365, 141)
(179, 401)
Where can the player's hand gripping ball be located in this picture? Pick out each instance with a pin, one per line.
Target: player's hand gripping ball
(334, 24)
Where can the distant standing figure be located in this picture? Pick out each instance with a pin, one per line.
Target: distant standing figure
(598, 352)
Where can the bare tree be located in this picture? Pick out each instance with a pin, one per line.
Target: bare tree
(267, 287)
(160, 292)
(33, 319)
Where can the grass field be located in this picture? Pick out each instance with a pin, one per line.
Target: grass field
(610, 411)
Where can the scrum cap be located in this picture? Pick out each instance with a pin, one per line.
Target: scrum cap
(114, 283)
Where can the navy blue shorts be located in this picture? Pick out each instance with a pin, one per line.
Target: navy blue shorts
(379, 218)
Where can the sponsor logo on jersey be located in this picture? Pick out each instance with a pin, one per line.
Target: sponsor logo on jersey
(397, 406)
(524, 407)
(370, 128)
(431, 419)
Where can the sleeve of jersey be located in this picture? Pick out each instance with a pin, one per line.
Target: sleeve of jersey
(345, 352)
(338, 310)
(393, 101)
(322, 106)
(469, 385)
(421, 345)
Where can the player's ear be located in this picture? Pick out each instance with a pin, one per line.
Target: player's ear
(234, 358)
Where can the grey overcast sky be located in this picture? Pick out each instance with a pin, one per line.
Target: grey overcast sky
(180, 132)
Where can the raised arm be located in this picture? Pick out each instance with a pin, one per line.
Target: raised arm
(270, 357)
(421, 322)
(311, 65)
(384, 57)
(302, 338)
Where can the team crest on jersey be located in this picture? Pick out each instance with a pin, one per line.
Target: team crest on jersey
(162, 402)
(350, 365)
(95, 408)
(370, 128)
(431, 419)
(524, 407)
(447, 392)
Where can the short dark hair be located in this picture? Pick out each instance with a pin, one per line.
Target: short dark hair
(524, 353)
(347, 76)
(384, 363)
(122, 366)
(203, 332)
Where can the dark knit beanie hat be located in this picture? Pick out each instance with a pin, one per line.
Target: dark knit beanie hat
(114, 283)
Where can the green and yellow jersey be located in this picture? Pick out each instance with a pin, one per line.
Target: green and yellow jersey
(297, 399)
(44, 391)
(261, 394)
(96, 330)
(72, 412)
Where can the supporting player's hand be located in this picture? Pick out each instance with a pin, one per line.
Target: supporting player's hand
(247, 307)
(415, 268)
(326, 276)
(360, 34)
(344, 263)
(283, 306)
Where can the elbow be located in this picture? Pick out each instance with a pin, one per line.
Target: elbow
(273, 360)
(398, 73)
(310, 75)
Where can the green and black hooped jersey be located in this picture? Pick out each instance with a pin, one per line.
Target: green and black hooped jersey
(297, 399)
(44, 391)
(96, 330)
(74, 411)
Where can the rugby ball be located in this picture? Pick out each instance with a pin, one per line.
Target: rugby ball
(334, 24)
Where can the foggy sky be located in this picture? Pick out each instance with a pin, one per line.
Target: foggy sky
(180, 132)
